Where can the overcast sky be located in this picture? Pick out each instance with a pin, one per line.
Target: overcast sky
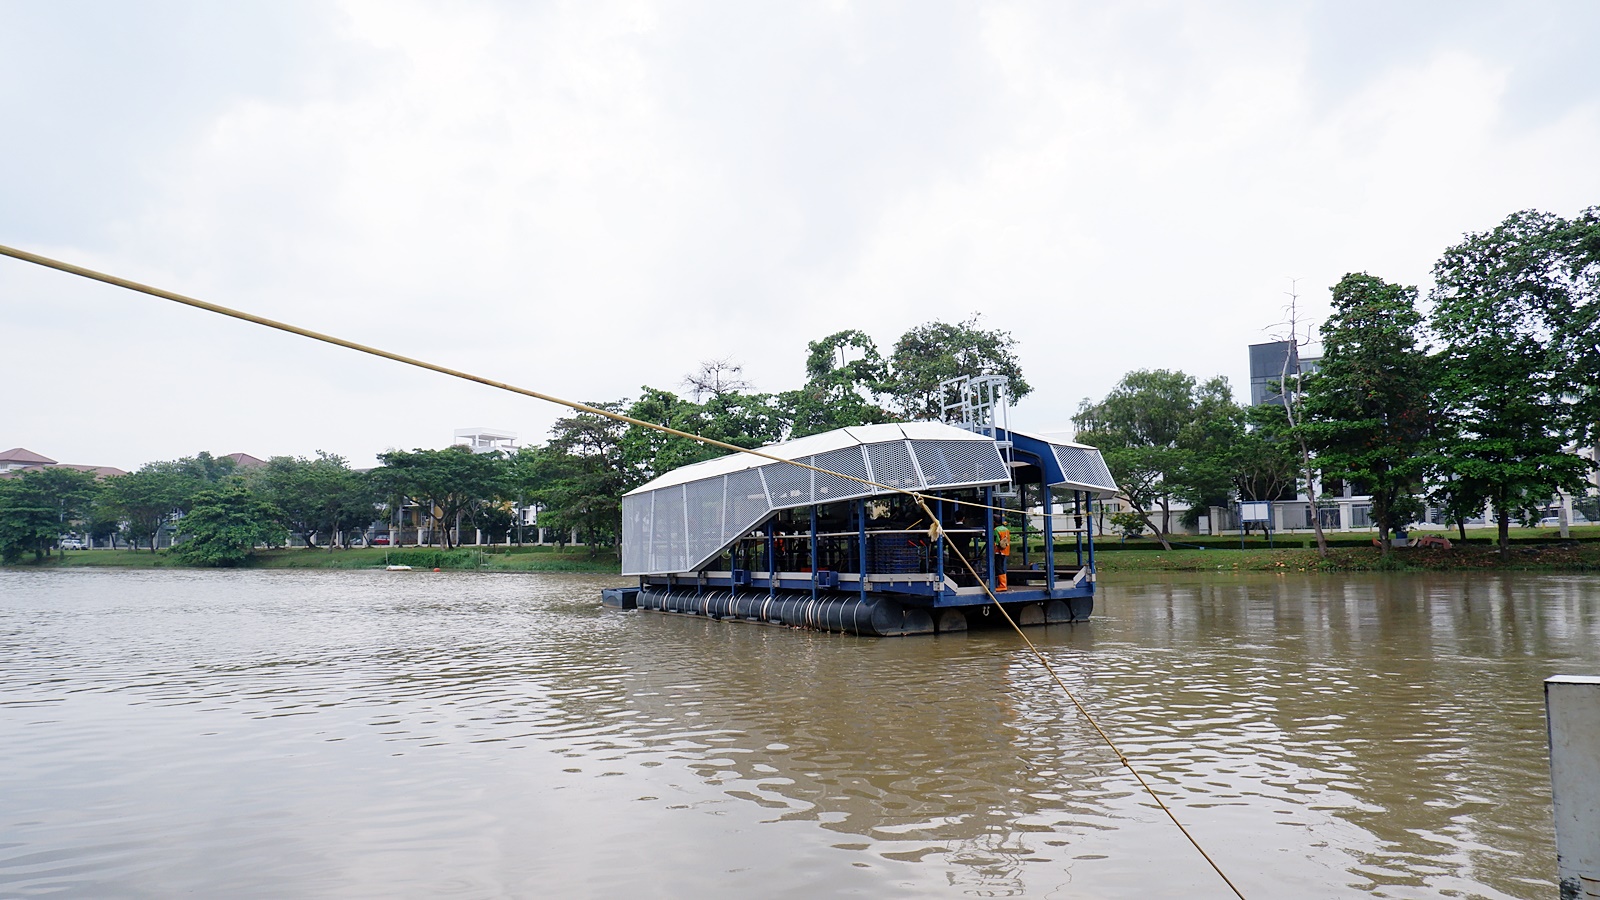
(583, 198)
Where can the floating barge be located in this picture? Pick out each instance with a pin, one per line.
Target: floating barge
(746, 538)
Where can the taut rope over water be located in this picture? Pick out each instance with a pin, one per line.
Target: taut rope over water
(921, 499)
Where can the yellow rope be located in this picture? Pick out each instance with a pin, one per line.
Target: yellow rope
(116, 281)
(921, 499)
(1083, 711)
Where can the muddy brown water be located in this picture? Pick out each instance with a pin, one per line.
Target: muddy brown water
(337, 734)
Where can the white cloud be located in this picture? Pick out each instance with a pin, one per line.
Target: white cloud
(585, 198)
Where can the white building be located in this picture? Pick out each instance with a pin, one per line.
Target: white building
(486, 440)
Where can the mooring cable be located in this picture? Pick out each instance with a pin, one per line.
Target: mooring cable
(1082, 710)
(920, 498)
(117, 281)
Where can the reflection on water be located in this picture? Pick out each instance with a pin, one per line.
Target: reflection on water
(374, 734)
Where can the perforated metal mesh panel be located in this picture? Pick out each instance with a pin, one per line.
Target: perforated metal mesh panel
(960, 462)
(747, 504)
(787, 485)
(668, 552)
(635, 525)
(682, 527)
(1084, 466)
(846, 462)
(891, 465)
(704, 514)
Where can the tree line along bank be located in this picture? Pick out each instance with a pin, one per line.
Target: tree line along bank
(218, 513)
(1478, 397)
(1483, 397)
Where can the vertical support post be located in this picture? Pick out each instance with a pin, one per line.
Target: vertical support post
(988, 533)
(861, 546)
(1022, 501)
(1572, 708)
(1082, 496)
(1049, 538)
(938, 544)
(772, 558)
(1084, 517)
(813, 551)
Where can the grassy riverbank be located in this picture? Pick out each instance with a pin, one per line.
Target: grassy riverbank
(1533, 552)
(500, 559)
(1472, 557)
(1531, 549)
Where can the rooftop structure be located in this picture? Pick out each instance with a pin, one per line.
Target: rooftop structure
(19, 458)
(486, 440)
(246, 461)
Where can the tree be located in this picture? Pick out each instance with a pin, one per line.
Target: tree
(1265, 457)
(524, 479)
(716, 378)
(1367, 408)
(845, 377)
(1564, 299)
(224, 525)
(937, 351)
(146, 500)
(494, 520)
(1151, 431)
(312, 496)
(1213, 437)
(448, 481)
(203, 468)
(646, 452)
(1512, 401)
(26, 521)
(37, 506)
(582, 475)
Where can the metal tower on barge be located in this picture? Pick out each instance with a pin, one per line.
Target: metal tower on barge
(747, 538)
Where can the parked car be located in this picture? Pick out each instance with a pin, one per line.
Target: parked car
(71, 544)
(380, 542)
(1550, 522)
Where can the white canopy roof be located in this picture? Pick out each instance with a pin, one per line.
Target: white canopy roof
(790, 451)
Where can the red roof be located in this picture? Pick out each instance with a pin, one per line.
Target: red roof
(19, 455)
(96, 471)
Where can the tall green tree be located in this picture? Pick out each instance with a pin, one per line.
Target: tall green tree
(744, 420)
(37, 507)
(1368, 411)
(1513, 396)
(447, 482)
(205, 469)
(582, 475)
(938, 351)
(1213, 437)
(1564, 297)
(1165, 438)
(224, 524)
(148, 499)
(846, 378)
(1265, 460)
(311, 496)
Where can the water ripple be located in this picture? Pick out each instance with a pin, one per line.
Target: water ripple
(363, 734)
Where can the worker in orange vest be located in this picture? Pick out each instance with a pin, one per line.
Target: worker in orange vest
(1002, 553)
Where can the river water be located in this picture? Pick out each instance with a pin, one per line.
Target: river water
(339, 734)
